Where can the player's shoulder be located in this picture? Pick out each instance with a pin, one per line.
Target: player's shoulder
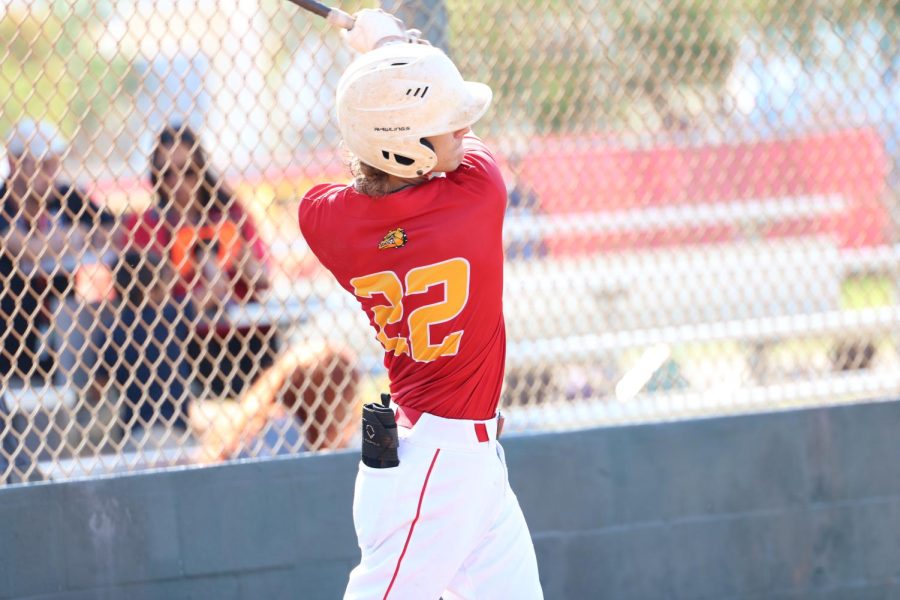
(480, 166)
(323, 192)
(321, 195)
(316, 203)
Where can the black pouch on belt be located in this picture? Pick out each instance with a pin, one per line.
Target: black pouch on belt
(379, 436)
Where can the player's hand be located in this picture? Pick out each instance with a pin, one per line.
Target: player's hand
(374, 28)
(414, 36)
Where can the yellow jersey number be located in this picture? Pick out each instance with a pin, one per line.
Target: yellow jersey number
(453, 274)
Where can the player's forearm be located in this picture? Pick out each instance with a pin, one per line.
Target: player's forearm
(209, 299)
(212, 289)
(100, 238)
(96, 391)
(254, 271)
(255, 407)
(15, 241)
(30, 247)
(68, 240)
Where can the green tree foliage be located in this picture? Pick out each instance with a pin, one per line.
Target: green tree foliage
(52, 68)
(577, 63)
(664, 50)
(544, 63)
(795, 23)
(575, 66)
(557, 66)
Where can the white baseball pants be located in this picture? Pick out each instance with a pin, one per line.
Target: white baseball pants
(443, 524)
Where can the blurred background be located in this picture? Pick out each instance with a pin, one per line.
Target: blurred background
(703, 215)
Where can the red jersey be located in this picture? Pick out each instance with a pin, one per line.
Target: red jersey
(426, 265)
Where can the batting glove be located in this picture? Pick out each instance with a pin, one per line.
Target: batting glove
(373, 28)
(414, 36)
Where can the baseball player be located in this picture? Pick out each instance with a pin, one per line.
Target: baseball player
(417, 240)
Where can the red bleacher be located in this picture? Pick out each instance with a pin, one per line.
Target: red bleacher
(831, 184)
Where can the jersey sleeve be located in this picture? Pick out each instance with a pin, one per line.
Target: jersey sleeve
(480, 165)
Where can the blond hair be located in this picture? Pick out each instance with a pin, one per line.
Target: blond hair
(369, 180)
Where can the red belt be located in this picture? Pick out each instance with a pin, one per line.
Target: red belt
(408, 417)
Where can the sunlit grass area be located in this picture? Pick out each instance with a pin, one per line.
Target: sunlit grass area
(867, 292)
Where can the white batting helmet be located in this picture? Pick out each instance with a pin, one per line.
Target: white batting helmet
(390, 98)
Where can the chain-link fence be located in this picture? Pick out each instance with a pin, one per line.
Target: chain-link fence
(702, 218)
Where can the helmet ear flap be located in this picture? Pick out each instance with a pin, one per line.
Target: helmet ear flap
(430, 146)
(411, 159)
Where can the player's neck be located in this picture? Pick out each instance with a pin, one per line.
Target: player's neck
(396, 184)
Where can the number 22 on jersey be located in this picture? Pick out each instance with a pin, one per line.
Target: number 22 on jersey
(452, 274)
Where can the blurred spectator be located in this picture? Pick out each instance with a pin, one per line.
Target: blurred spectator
(48, 229)
(306, 401)
(211, 242)
(142, 351)
(521, 196)
(523, 209)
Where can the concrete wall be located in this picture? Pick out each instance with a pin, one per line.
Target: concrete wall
(789, 505)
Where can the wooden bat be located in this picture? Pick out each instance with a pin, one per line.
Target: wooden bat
(335, 16)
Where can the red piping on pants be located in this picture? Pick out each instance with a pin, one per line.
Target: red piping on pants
(413, 525)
